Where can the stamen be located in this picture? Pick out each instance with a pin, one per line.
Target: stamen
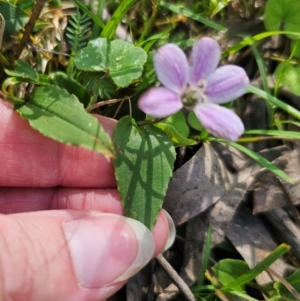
(202, 84)
(195, 95)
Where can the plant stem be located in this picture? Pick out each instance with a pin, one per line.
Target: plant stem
(28, 29)
(149, 121)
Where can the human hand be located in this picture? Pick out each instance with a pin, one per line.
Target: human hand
(62, 236)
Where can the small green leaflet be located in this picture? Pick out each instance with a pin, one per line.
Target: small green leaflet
(227, 270)
(176, 128)
(289, 76)
(143, 167)
(23, 70)
(282, 13)
(120, 59)
(15, 18)
(59, 115)
(294, 281)
(62, 80)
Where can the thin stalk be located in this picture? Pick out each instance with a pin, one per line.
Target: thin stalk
(29, 28)
(96, 28)
(149, 22)
(275, 101)
(149, 121)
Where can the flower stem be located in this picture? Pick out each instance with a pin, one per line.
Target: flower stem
(149, 121)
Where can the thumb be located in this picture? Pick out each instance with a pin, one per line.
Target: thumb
(69, 254)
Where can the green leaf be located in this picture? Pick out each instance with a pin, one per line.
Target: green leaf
(23, 70)
(178, 121)
(242, 296)
(143, 167)
(126, 62)
(55, 3)
(63, 81)
(97, 84)
(94, 57)
(227, 270)
(176, 138)
(176, 128)
(194, 121)
(120, 59)
(25, 5)
(111, 26)
(294, 281)
(282, 13)
(260, 267)
(289, 76)
(15, 18)
(58, 115)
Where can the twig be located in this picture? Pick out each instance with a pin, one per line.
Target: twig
(185, 290)
(105, 102)
(39, 49)
(149, 121)
(29, 28)
(285, 283)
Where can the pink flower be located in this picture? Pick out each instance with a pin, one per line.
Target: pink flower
(197, 85)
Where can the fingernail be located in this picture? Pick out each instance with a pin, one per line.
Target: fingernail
(172, 231)
(107, 248)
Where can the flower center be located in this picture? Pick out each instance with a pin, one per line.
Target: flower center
(194, 95)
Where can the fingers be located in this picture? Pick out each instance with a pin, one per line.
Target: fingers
(29, 159)
(91, 254)
(17, 200)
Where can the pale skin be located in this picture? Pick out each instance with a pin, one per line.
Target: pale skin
(42, 185)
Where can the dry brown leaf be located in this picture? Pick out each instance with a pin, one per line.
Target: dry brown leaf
(268, 193)
(197, 185)
(271, 192)
(286, 230)
(254, 242)
(219, 216)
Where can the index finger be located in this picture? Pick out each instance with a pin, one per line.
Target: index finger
(29, 159)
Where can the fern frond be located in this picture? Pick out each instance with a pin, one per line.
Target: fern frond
(77, 30)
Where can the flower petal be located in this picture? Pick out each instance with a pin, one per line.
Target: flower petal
(171, 67)
(220, 121)
(226, 84)
(160, 102)
(204, 59)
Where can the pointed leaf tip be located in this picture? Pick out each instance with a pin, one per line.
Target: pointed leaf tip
(59, 115)
(143, 167)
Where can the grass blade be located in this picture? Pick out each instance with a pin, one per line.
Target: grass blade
(258, 158)
(262, 70)
(251, 40)
(197, 17)
(260, 267)
(206, 254)
(275, 101)
(281, 134)
(111, 26)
